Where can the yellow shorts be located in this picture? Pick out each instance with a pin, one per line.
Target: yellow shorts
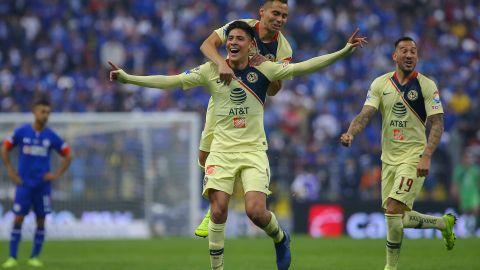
(400, 182)
(222, 169)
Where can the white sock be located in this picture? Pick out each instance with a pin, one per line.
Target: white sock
(273, 229)
(216, 241)
(394, 239)
(413, 219)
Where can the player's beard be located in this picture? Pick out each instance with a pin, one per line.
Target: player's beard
(42, 122)
(407, 69)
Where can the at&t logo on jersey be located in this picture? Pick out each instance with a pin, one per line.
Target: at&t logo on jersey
(399, 109)
(238, 97)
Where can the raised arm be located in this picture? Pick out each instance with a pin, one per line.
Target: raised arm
(156, 81)
(433, 141)
(320, 62)
(209, 48)
(358, 125)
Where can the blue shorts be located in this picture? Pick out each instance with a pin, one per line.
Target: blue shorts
(38, 198)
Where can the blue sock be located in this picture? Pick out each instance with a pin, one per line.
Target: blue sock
(38, 242)
(15, 238)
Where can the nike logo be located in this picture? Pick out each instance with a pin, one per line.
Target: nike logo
(399, 193)
(386, 93)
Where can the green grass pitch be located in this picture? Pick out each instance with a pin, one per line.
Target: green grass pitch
(248, 253)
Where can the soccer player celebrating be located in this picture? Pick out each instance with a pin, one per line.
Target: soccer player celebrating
(407, 100)
(239, 143)
(270, 45)
(34, 179)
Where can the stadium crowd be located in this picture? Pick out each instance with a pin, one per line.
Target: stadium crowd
(61, 48)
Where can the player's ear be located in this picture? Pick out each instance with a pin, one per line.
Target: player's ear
(252, 43)
(261, 12)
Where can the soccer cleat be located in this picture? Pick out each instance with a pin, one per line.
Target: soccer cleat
(282, 249)
(202, 229)
(10, 263)
(35, 262)
(447, 233)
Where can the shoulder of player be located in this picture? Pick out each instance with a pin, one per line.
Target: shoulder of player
(206, 67)
(381, 80)
(49, 131)
(209, 68)
(424, 80)
(284, 40)
(24, 128)
(267, 66)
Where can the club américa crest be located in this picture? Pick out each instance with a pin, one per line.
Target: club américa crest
(252, 77)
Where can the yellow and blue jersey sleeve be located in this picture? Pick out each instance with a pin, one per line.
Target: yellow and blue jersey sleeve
(196, 76)
(275, 71)
(433, 104)
(374, 95)
(284, 50)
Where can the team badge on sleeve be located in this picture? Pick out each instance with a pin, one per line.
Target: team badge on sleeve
(437, 103)
(192, 70)
(436, 97)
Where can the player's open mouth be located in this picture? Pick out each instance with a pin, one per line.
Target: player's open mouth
(234, 51)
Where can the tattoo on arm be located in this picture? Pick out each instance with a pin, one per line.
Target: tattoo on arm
(435, 135)
(361, 120)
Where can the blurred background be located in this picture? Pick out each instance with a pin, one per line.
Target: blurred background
(60, 48)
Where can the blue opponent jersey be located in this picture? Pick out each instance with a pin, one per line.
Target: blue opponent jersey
(34, 152)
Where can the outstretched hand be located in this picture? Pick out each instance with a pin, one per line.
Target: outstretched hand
(114, 72)
(356, 40)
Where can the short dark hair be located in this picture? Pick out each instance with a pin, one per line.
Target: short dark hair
(405, 38)
(271, 1)
(240, 25)
(41, 101)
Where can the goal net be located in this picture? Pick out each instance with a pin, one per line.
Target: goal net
(133, 175)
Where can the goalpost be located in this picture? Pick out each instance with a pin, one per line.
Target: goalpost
(135, 174)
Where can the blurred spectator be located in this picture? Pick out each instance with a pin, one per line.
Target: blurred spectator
(466, 189)
(305, 186)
